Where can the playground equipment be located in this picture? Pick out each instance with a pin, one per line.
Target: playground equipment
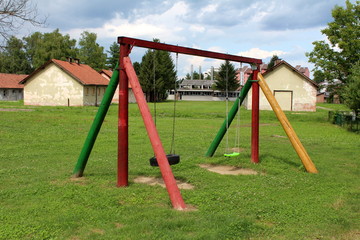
(125, 74)
(299, 148)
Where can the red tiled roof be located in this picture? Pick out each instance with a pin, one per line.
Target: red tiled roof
(11, 80)
(81, 72)
(294, 69)
(107, 72)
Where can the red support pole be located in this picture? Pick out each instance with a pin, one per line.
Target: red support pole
(255, 119)
(123, 130)
(169, 179)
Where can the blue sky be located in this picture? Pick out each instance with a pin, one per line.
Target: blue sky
(255, 28)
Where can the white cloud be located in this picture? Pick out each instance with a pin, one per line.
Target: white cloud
(261, 54)
(163, 26)
(208, 10)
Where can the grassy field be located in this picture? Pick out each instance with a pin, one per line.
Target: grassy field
(40, 147)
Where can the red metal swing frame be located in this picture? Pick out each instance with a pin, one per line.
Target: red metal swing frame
(127, 74)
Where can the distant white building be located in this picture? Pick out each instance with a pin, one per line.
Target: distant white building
(201, 90)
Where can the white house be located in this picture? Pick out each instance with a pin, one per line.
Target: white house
(64, 83)
(107, 74)
(293, 90)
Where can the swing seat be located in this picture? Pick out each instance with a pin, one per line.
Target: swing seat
(172, 159)
(234, 154)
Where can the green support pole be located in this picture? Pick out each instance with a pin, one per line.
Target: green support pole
(232, 113)
(95, 128)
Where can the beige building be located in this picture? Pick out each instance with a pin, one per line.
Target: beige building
(64, 83)
(293, 90)
(107, 74)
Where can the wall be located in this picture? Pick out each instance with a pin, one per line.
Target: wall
(53, 87)
(283, 82)
(11, 94)
(93, 95)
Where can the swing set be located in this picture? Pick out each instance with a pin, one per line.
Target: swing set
(125, 74)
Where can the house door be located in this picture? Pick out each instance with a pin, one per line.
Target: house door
(285, 99)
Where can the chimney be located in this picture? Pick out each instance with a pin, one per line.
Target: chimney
(192, 72)
(212, 73)
(77, 60)
(277, 62)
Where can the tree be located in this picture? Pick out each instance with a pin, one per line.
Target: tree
(272, 61)
(352, 89)
(114, 53)
(335, 58)
(40, 47)
(14, 13)
(13, 58)
(90, 52)
(137, 67)
(226, 77)
(157, 74)
(196, 76)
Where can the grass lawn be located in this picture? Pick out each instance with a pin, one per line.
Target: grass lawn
(40, 146)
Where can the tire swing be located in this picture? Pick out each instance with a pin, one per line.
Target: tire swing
(172, 157)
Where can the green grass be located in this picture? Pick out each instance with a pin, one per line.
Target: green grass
(38, 200)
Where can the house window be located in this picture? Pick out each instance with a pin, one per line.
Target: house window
(99, 90)
(93, 91)
(86, 91)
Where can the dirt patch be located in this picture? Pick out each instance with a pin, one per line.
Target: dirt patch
(79, 180)
(16, 110)
(228, 170)
(261, 124)
(278, 136)
(98, 231)
(152, 181)
(118, 225)
(236, 149)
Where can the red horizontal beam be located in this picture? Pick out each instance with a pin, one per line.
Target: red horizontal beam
(186, 50)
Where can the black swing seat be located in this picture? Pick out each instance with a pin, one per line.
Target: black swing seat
(172, 159)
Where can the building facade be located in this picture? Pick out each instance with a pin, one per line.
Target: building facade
(64, 83)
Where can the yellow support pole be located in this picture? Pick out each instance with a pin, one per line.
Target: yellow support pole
(299, 148)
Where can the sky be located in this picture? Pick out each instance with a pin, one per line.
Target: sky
(250, 28)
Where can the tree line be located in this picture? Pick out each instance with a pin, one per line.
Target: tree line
(23, 56)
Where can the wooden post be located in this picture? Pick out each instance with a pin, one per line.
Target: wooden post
(255, 118)
(123, 131)
(295, 141)
(169, 179)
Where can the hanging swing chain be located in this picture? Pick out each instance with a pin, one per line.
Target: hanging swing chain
(154, 86)
(237, 137)
(172, 148)
(227, 109)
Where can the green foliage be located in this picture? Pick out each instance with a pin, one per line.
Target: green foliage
(196, 76)
(39, 149)
(41, 47)
(352, 89)
(13, 58)
(137, 67)
(90, 52)
(226, 77)
(114, 54)
(272, 61)
(336, 57)
(157, 74)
